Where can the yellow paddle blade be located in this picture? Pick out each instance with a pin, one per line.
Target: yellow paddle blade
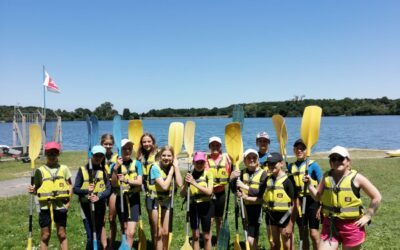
(248, 245)
(135, 131)
(35, 142)
(169, 240)
(29, 246)
(188, 138)
(310, 124)
(175, 136)
(281, 133)
(234, 143)
(236, 244)
(142, 237)
(186, 245)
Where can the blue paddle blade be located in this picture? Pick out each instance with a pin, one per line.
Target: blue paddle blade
(95, 244)
(95, 130)
(89, 127)
(124, 244)
(117, 132)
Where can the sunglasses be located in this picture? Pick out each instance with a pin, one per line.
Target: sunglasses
(337, 158)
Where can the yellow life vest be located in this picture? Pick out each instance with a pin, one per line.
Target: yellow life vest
(298, 174)
(339, 200)
(221, 175)
(155, 191)
(55, 186)
(130, 174)
(99, 184)
(253, 182)
(275, 198)
(195, 194)
(109, 162)
(146, 165)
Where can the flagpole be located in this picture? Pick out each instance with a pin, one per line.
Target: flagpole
(44, 102)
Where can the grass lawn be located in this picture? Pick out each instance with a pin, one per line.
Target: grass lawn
(383, 172)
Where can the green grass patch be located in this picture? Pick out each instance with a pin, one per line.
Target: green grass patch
(383, 172)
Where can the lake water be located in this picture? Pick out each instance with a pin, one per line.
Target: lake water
(370, 132)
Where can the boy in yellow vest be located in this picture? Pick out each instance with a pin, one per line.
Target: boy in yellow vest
(93, 185)
(339, 191)
(53, 187)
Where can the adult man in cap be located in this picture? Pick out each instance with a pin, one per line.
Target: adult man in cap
(220, 166)
(262, 142)
(312, 213)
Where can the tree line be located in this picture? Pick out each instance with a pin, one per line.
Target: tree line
(289, 108)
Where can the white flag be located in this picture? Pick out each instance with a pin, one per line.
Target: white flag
(50, 84)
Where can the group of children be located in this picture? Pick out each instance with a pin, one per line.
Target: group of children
(265, 184)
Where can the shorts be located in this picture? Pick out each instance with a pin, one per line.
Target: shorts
(310, 215)
(254, 219)
(347, 232)
(201, 213)
(273, 218)
(218, 201)
(60, 217)
(152, 204)
(131, 207)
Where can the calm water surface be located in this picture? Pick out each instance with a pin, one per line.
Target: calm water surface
(372, 132)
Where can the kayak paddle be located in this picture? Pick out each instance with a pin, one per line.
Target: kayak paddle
(234, 148)
(310, 124)
(135, 132)
(93, 131)
(117, 137)
(188, 139)
(175, 139)
(35, 143)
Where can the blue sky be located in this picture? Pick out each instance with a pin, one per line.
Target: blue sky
(212, 53)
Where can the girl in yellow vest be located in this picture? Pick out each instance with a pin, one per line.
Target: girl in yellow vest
(251, 187)
(312, 210)
(127, 173)
(107, 141)
(201, 187)
(279, 200)
(339, 191)
(96, 191)
(219, 164)
(53, 187)
(161, 176)
(147, 156)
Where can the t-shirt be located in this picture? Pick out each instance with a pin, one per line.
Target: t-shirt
(155, 173)
(262, 158)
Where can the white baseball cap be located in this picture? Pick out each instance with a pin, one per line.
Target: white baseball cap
(339, 150)
(263, 135)
(213, 139)
(250, 151)
(125, 141)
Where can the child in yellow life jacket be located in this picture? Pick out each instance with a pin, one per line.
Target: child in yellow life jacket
(93, 185)
(127, 172)
(53, 187)
(201, 188)
(311, 216)
(220, 165)
(339, 191)
(251, 187)
(279, 201)
(147, 156)
(161, 176)
(107, 141)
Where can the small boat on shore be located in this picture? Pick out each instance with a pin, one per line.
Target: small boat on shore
(393, 153)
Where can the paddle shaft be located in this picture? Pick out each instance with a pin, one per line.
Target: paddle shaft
(187, 205)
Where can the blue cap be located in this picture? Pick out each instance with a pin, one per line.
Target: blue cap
(98, 149)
